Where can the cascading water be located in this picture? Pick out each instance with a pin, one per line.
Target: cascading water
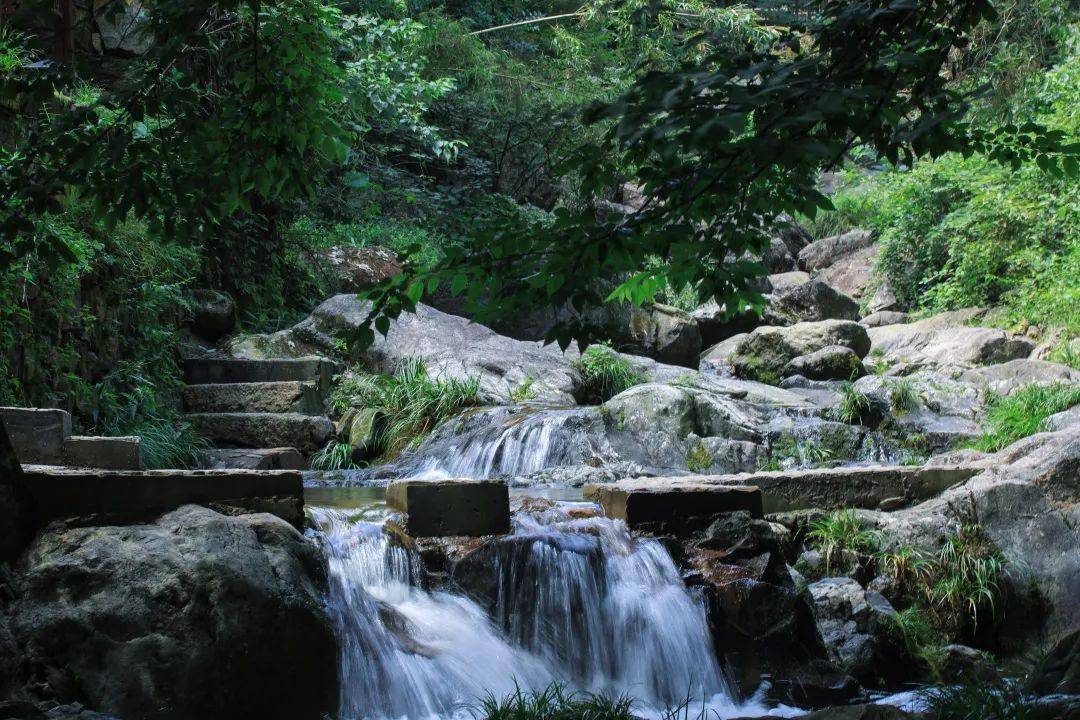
(574, 601)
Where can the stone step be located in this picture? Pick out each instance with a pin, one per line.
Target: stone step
(290, 396)
(457, 507)
(201, 371)
(37, 434)
(102, 497)
(676, 506)
(306, 433)
(106, 453)
(256, 459)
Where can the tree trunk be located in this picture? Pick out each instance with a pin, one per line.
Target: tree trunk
(14, 510)
(65, 30)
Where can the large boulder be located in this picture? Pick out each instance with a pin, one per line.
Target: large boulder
(195, 615)
(764, 353)
(834, 362)
(350, 269)
(1007, 378)
(784, 282)
(852, 622)
(213, 313)
(822, 253)
(810, 302)
(665, 333)
(852, 274)
(947, 340)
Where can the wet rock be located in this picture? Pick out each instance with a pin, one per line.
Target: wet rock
(194, 595)
(716, 325)
(1059, 670)
(365, 428)
(672, 506)
(765, 352)
(822, 253)
(213, 314)
(961, 663)
(885, 317)
(717, 359)
(811, 302)
(946, 340)
(834, 362)
(458, 507)
(851, 621)
(350, 269)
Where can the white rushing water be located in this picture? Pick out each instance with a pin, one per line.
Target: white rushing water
(574, 601)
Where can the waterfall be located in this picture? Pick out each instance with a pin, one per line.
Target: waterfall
(575, 601)
(507, 442)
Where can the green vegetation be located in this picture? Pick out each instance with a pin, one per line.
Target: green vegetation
(842, 536)
(169, 443)
(553, 703)
(791, 452)
(604, 374)
(854, 405)
(903, 396)
(524, 391)
(334, 456)
(412, 403)
(1010, 418)
(1001, 700)
(699, 459)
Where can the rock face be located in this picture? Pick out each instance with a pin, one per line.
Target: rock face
(350, 269)
(811, 302)
(823, 253)
(213, 314)
(850, 619)
(834, 362)
(1007, 378)
(852, 274)
(195, 615)
(665, 333)
(766, 351)
(946, 340)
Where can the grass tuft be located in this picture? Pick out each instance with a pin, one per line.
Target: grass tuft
(604, 374)
(1002, 700)
(1011, 418)
(335, 456)
(854, 405)
(554, 702)
(171, 445)
(842, 532)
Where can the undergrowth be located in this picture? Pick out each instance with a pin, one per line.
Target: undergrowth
(604, 374)
(554, 702)
(841, 535)
(1013, 417)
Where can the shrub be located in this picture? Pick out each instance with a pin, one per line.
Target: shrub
(1010, 418)
(412, 403)
(604, 374)
(553, 703)
(839, 532)
(920, 639)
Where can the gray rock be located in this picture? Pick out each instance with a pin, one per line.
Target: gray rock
(811, 302)
(852, 274)
(1007, 378)
(883, 299)
(961, 663)
(834, 362)
(781, 283)
(947, 340)
(717, 359)
(213, 314)
(350, 269)
(778, 257)
(823, 253)
(194, 595)
(851, 621)
(768, 349)
(1064, 419)
(665, 333)
(885, 317)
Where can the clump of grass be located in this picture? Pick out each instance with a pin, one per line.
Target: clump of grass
(902, 396)
(967, 576)
(553, 703)
(789, 452)
(171, 445)
(604, 374)
(1001, 700)
(524, 391)
(335, 456)
(875, 363)
(412, 403)
(1066, 354)
(840, 533)
(699, 459)
(906, 565)
(854, 405)
(920, 639)
(1013, 417)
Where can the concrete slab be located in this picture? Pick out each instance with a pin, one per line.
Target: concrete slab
(286, 458)
(292, 396)
(306, 433)
(675, 506)
(103, 497)
(37, 434)
(107, 453)
(437, 508)
(207, 370)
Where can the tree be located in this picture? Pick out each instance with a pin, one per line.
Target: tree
(723, 146)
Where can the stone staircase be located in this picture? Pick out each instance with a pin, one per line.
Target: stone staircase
(42, 436)
(260, 414)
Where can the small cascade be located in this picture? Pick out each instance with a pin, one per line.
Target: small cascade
(507, 442)
(579, 602)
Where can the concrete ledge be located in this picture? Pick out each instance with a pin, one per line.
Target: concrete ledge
(672, 505)
(107, 453)
(306, 433)
(37, 434)
(285, 458)
(859, 487)
(438, 508)
(274, 397)
(202, 371)
(97, 497)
